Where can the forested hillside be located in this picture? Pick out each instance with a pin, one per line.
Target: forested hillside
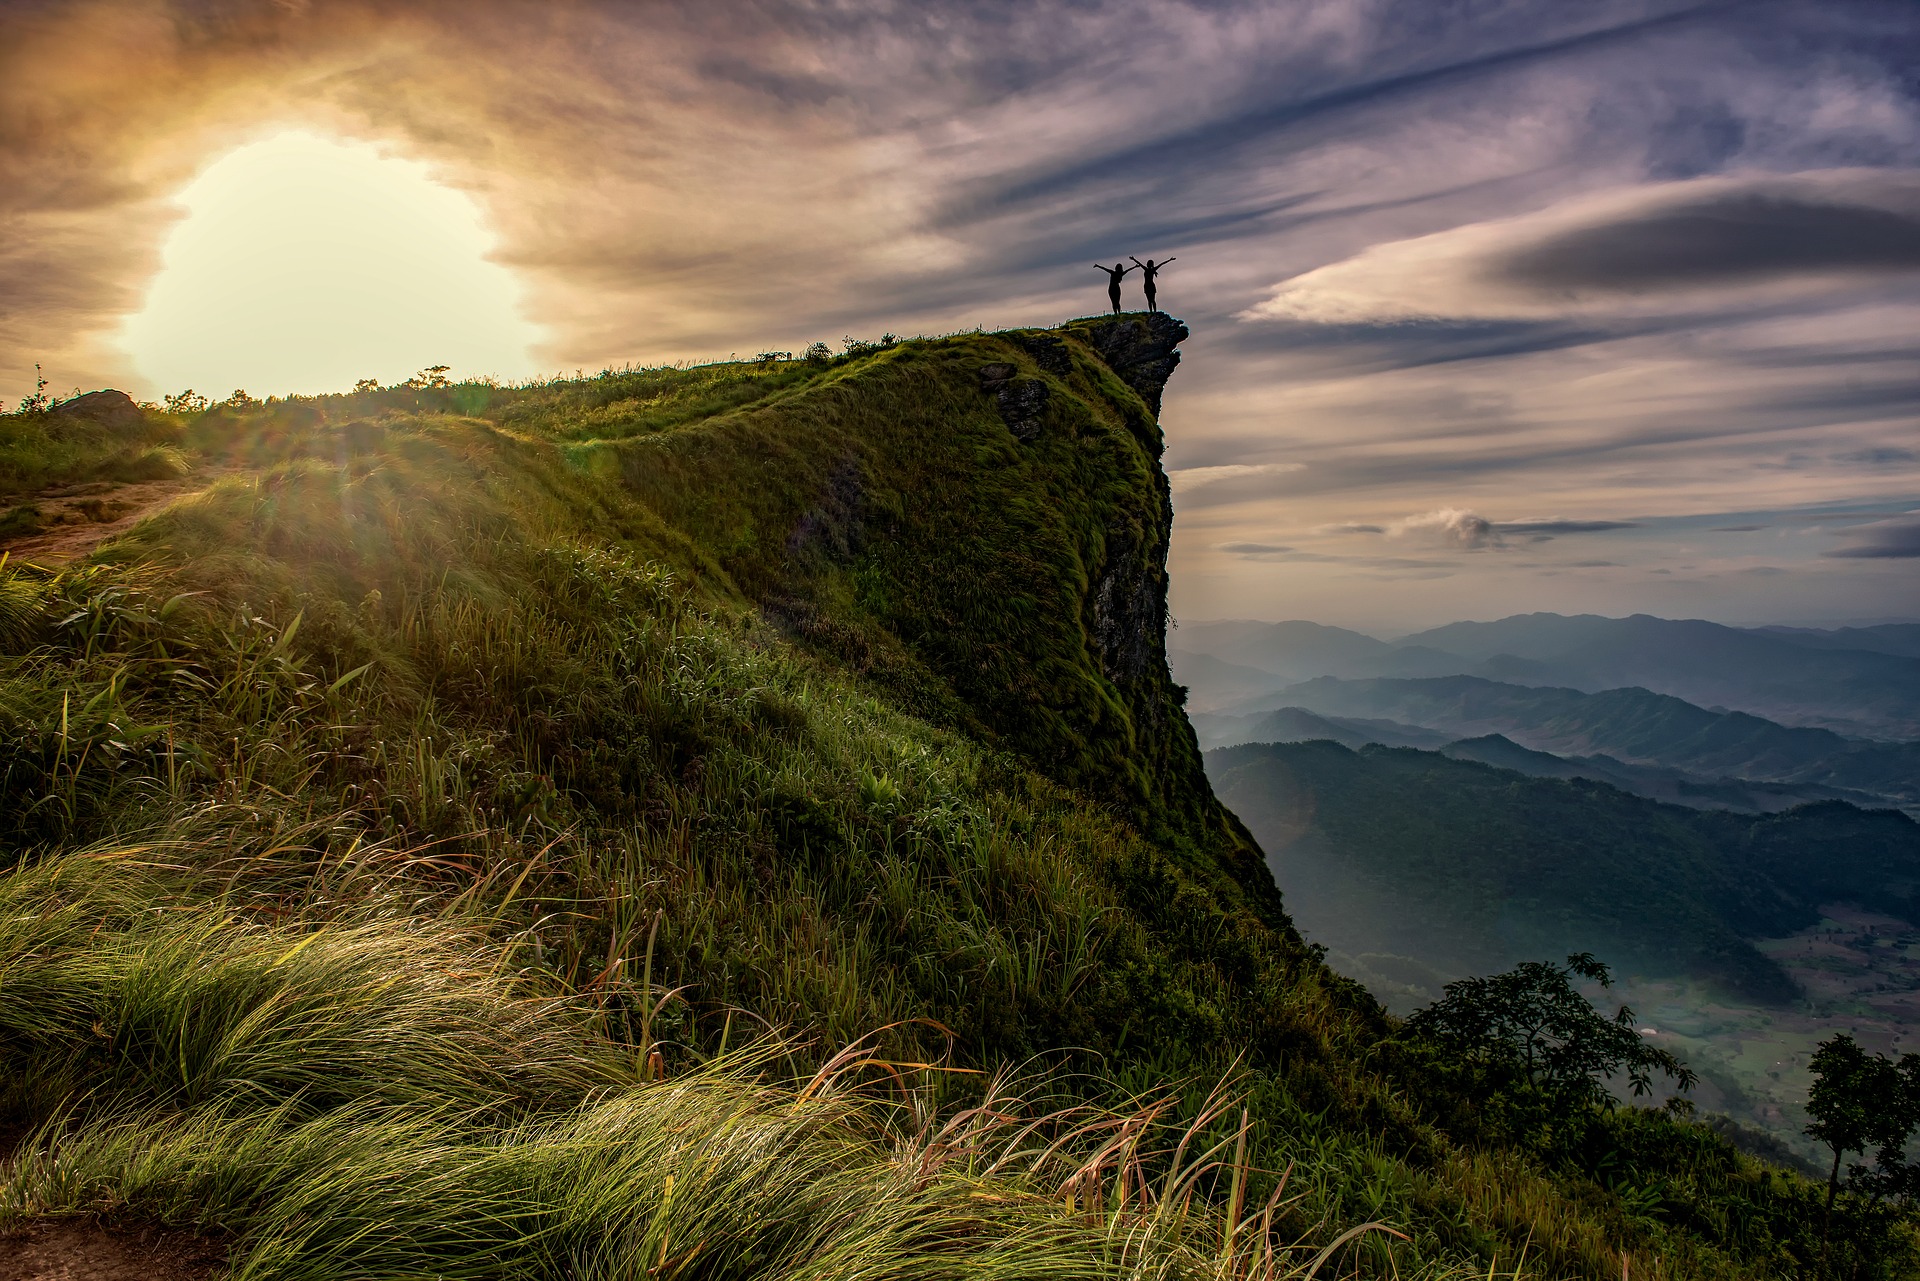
(1475, 866)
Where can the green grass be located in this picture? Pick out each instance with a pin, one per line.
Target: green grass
(492, 780)
(40, 451)
(374, 1097)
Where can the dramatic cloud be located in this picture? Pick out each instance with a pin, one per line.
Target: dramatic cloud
(1733, 232)
(1653, 257)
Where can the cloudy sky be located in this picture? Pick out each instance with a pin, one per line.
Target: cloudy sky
(1498, 305)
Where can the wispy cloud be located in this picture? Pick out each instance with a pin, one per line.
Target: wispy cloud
(1448, 526)
(1190, 478)
(1557, 526)
(1455, 527)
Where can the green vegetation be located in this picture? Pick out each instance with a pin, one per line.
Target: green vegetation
(370, 1096)
(715, 822)
(1861, 1102)
(38, 450)
(1535, 1056)
(1529, 1034)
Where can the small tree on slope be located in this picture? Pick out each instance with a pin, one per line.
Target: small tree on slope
(1860, 1101)
(1531, 1029)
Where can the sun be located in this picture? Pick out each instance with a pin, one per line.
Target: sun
(306, 263)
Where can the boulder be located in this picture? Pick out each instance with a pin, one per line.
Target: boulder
(107, 407)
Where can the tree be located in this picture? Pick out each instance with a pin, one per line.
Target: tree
(1532, 1028)
(1860, 1101)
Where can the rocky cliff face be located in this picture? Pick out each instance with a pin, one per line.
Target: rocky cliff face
(1130, 596)
(1127, 607)
(1141, 347)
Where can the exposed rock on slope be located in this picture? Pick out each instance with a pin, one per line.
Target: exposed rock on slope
(109, 408)
(1141, 348)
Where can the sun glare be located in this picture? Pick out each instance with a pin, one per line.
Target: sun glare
(305, 264)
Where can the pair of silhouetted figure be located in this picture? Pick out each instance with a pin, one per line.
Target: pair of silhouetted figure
(1116, 273)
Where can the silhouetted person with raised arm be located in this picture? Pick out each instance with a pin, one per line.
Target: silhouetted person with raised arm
(1148, 270)
(1115, 274)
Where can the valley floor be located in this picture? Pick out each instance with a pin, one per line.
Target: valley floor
(1860, 971)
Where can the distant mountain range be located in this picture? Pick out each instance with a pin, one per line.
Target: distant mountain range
(1659, 783)
(1443, 866)
(1857, 681)
(1617, 735)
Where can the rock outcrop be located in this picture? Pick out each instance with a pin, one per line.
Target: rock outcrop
(107, 407)
(1022, 402)
(1141, 347)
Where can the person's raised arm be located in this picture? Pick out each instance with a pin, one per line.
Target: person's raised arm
(1165, 261)
(1136, 262)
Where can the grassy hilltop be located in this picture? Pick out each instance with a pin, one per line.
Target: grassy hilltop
(716, 822)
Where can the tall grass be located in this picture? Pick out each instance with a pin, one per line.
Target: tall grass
(374, 1097)
(39, 450)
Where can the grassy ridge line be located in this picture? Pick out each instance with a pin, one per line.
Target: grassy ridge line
(424, 656)
(566, 723)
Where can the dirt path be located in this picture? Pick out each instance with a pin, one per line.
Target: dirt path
(74, 519)
(83, 1250)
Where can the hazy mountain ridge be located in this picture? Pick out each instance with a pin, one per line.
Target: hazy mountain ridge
(1880, 638)
(1658, 783)
(1795, 677)
(1635, 726)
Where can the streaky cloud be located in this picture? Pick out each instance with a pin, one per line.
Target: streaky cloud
(1726, 236)
(1562, 526)
(1695, 248)
(1890, 540)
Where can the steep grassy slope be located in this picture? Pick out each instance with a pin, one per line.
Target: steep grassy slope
(438, 804)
